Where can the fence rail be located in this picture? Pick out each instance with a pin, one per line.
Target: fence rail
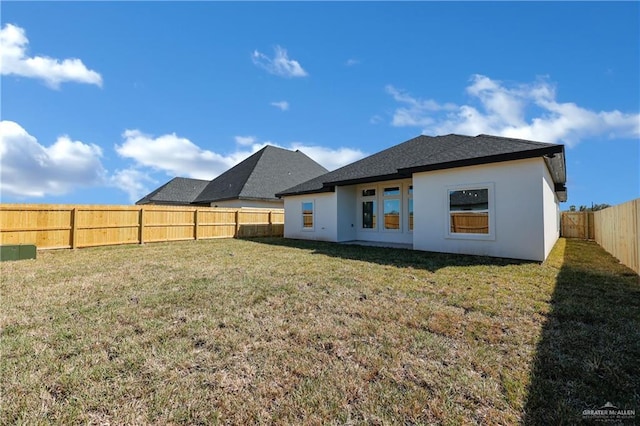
(53, 226)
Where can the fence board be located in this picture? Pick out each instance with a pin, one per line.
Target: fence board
(616, 230)
(577, 225)
(470, 223)
(51, 226)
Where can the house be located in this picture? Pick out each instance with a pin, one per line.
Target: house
(250, 183)
(178, 191)
(482, 195)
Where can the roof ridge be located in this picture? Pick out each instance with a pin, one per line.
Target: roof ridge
(188, 178)
(449, 146)
(258, 156)
(537, 143)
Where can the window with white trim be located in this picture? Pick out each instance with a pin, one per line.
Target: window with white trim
(410, 207)
(469, 211)
(391, 207)
(307, 215)
(369, 209)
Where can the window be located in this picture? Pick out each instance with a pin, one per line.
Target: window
(392, 214)
(369, 214)
(395, 190)
(369, 209)
(410, 206)
(391, 207)
(469, 211)
(307, 215)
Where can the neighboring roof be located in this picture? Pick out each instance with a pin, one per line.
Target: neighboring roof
(469, 199)
(179, 191)
(425, 153)
(261, 176)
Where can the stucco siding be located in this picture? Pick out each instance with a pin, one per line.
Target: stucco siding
(551, 208)
(324, 217)
(346, 213)
(516, 217)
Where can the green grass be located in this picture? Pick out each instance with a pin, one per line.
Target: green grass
(278, 331)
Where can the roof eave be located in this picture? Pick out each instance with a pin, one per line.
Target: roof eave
(498, 158)
(164, 203)
(370, 179)
(325, 188)
(259, 198)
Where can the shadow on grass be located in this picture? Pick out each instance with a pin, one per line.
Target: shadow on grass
(389, 256)
(589, 351)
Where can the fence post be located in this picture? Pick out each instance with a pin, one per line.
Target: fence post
(586, 225)
(74, 228)
(237, 233)
(141, 226)
(636, 212)
(196, 222)
(270, 223)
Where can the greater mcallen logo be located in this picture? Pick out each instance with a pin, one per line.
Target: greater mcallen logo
(609, 413)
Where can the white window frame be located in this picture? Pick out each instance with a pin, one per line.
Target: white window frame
(313, 215)
(409, 195)
(361, 200)
(490, 187)
(384, 198)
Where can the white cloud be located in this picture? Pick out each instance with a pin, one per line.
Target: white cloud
(132, 181)
(417, 111)
(376, 119)
(280, 64)
(29, 169)
(177, 156)
(330, 158)
(174, 155)
(351, 62)
(283, 105)
(245, 140)
(33, 170)
(502, 109)
(13, 60)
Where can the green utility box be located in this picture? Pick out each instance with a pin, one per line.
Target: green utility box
(17, 252)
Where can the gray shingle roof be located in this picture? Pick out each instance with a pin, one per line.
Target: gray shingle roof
(261, 176)
(425, 153)
(177, 191)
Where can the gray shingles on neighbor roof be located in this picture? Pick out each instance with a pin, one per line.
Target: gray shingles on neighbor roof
(261, 176)
(178, 191)
(425, 153)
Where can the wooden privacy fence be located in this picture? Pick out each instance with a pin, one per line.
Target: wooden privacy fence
(470, 223)
(75, 226)
(617, 231)
(578, 225)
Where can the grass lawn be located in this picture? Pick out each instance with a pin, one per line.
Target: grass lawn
(277, 331)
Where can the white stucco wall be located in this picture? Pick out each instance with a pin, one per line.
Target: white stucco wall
(249, 203)
(324, 217)
(523, 212)
(346, 212)
(551, 208)
(517, 215)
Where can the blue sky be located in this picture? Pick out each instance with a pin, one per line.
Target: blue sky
(103, 102)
